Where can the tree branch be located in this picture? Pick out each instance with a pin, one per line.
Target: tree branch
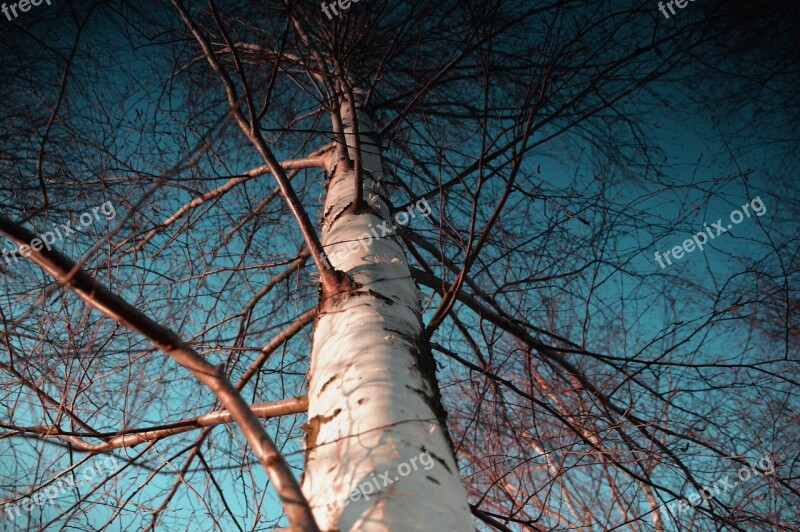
(113, 306)
(316, 160)
(328, 278)
(133, 437)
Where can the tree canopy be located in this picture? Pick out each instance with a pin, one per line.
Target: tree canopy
(549, 155)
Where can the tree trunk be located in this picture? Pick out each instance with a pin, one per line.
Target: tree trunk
(377, 453)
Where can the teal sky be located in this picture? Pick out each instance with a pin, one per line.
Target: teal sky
(704, 162)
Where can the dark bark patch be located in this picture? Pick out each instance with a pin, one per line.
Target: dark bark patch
(312, 429)
(420, 391)
(382, 297)
(441, 461)
(372, 293)
(336, 376)
(426, 365)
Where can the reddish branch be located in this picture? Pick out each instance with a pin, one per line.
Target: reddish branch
(133, 437)
(328, 279)
(90, 290)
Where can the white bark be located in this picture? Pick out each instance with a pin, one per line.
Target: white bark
(370, 404)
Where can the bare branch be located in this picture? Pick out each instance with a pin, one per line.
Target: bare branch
(116, 308)
(134, 437)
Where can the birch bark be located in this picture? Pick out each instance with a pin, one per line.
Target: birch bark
(373, 401)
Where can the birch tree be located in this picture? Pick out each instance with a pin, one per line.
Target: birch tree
(388, 266)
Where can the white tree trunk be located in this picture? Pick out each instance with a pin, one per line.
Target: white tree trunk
(371, 398)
